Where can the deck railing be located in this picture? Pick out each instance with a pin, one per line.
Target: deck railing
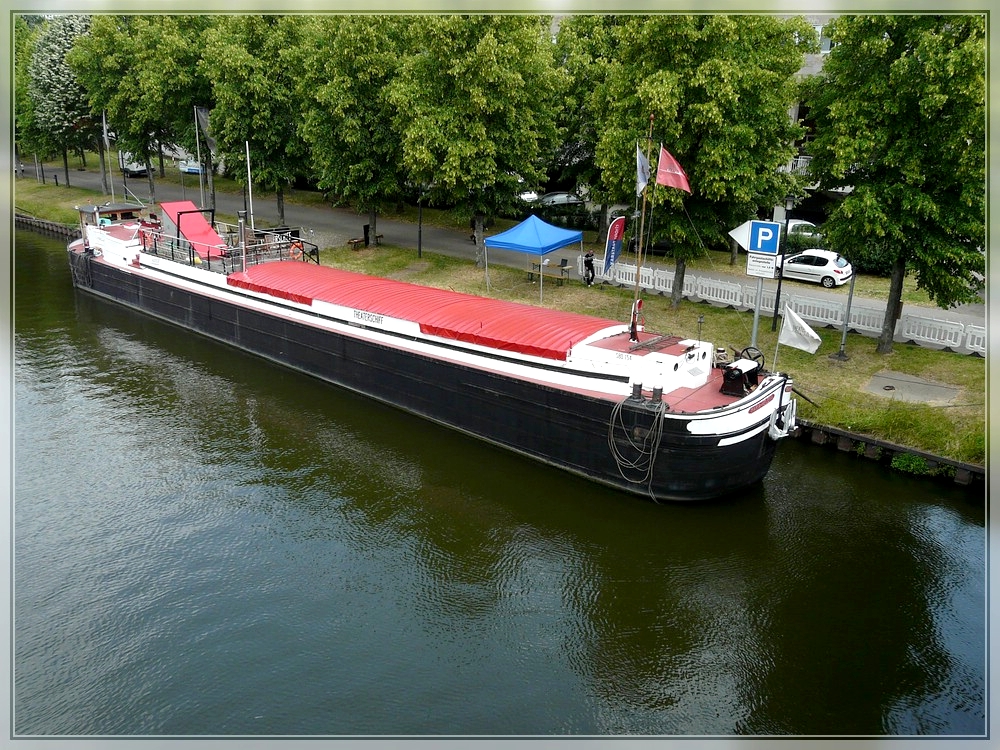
(262, 246)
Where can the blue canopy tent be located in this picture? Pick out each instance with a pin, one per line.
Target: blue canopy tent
(534, 237)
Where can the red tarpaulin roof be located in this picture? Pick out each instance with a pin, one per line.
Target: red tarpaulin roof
(195, 229)
(508, 326)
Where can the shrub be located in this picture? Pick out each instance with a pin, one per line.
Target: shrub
(909, 464)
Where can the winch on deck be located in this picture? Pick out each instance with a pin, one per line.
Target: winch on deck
(740, 377)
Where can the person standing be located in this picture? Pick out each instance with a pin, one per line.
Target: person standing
(588, 267)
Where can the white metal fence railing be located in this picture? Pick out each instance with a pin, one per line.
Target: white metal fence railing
(931, 331)
(975, 339)
(919, 329)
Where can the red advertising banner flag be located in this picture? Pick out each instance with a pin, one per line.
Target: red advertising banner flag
(670, 173)
(613, 248)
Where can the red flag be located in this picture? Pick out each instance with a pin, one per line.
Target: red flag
(670, 173)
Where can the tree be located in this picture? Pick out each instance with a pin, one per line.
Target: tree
(475, 108)
(256, 103)
(28, 136)
(61, 112)
(718, 89)
(347, 64)
(900, 119)
(143, 71)
(584, 46)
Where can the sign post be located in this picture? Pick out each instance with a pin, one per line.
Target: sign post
(760, 239)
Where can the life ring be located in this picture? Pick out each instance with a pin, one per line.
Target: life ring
(295, 250)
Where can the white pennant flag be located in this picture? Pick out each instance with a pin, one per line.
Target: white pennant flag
(641, 171)
(796, 333)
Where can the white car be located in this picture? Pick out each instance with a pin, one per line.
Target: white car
(819, 266)
(189, 167)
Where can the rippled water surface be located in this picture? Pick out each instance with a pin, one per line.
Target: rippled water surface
(208, 544)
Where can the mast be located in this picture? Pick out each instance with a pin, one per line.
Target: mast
(197, 148)
(636, 302)
(249, 185)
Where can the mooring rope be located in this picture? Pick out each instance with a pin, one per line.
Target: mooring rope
(646, 449)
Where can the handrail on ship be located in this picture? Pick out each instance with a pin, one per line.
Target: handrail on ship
(266, 247)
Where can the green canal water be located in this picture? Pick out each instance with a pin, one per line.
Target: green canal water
(206, 544)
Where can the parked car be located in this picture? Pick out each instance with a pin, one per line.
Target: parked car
(189, 167)
(803, 228)
(560, 199)
(129, 166)
(819, 266)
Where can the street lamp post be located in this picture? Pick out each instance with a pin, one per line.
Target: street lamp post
(789, 205)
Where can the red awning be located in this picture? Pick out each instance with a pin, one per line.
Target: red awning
(507, 326)
(193, 227)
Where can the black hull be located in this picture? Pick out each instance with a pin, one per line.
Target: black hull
(565, 429)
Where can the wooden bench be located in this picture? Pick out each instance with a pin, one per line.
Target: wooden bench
(560, 273)
(559, 277)
(361, 241)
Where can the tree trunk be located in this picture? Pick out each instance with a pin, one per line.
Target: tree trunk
(66, 165)
(102, 159)
(677, 292)
(894, 306)
(149, 179)
(602, 221)
(279, 197)
(372, 222)
(734, 251)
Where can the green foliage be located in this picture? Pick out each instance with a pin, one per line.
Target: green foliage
(345, 65)
(475, 103)
(143, 72)
(584, 47)
(716, 90)
(915, 162)
(482, 107)
(29, 136)
(910, 464)
(61, 118)
(796, 243)
(254, 96)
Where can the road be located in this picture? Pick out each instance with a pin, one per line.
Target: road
(334, 226)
